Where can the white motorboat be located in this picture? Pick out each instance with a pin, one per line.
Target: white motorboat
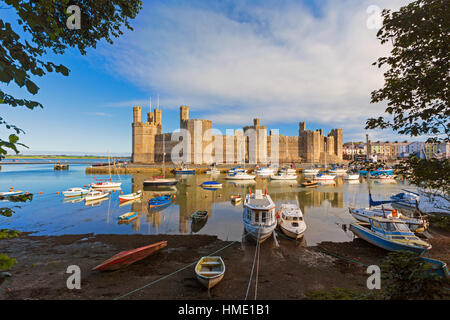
(95, 195)
(75, 192)
(265, 171)
(310, 171)
(364, 214)
(11, 193)
(351, 176)
(284, 177)
(240, 176)
(287, 170)
(131, 196)
(259, 215)
(213, 171)
(321, 176)
(290, 221)
(338, 171)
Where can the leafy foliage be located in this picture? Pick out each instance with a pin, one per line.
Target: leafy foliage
(44, 25)
(406, 276)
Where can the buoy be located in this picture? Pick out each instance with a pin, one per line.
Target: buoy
(41, 192)
(206, 196)
(121, 192)
(26, 192)
(186, 193)
(174, 196)
(84, 186)
(57, 192)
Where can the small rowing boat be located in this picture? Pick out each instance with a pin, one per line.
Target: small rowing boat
(131, 196)
(210, 271)
(199, 215)
(126, 258)
(128, 216)
(310, 184)
(160, 201)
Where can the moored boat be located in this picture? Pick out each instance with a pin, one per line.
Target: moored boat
(184, 170)
(199, 215)
(211, 185)
(126, 258)
(284, 176)
(131, 196)
(321, 176)
(95, 195)
(310, 184)
(160, 201)
(290, 221)
(389, 234)
(259, 215)
(236, 198)
(310, 171)
(240, 176)
(127, 216)
(338, 171)
(105, 185)
(237, 169)
(11, 193)
(210, 271)
(75, 192)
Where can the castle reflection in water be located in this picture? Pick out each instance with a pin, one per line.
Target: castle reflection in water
(190, 197)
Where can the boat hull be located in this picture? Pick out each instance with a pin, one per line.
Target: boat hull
(126, 258)
(378, 241)
(292, 234)
(259, 233)
(160, 183)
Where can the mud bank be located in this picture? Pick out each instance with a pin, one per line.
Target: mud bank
(287, 271)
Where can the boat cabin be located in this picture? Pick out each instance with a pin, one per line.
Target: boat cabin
(259, 209)
(394, 229)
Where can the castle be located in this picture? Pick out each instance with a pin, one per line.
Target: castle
(197, 142)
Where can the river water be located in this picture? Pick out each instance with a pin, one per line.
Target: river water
(325, 208)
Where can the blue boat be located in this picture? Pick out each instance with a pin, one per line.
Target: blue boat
(389, 234)
(159, 201)
(211, 185)
(436, 267)
(127, 217)
(378, 172)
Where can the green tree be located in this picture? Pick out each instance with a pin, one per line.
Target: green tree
(43, 25)
(417, 79)
(44, 29)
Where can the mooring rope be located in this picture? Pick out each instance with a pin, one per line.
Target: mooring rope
(253, 266)
(171, 274)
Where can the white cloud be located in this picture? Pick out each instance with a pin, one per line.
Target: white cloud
(281, 63)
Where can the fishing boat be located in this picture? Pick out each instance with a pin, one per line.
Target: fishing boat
(259, 215)
(211, 185)
(131, 196)
(184, 170)
(290, 221)
(364, 214)
(95, 195)
(310, 171)
(284, 176)
(127, 216)
(239, 176)
(199, 214)
(126, 258)
(11, 193)
(237, 169)
(389, 234)
(162, 180)
(160, 201)
(310, 184)
(210, 271)
(75, 192)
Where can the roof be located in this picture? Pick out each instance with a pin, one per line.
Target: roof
(291, 210)
(259, 201)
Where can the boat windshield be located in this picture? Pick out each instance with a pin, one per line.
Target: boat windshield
(388, 226)
(402, 227)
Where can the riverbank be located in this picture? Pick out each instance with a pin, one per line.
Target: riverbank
(289, 271)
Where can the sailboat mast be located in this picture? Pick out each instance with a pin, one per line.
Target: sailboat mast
(164, 156)
(109, 167)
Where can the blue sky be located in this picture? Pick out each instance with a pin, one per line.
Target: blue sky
(282, 61)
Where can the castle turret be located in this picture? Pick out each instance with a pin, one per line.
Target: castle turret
(136, 114)
(143, 138)
(184, 116)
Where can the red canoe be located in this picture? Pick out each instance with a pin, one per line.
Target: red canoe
(126, 258)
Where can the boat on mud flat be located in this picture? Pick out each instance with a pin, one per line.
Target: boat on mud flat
(389, 234)
(437, 267)
(126, 258)
(75, 192)
(127, 217)
(95, 195)
(310, 184)
(160, 201)
(259, 215)
(210, 271)
(211, 185)
(290, 221)
(414, 224)
(131, 196)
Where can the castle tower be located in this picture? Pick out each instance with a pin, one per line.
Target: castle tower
(137, 114)
(184, 116)
(338, 141)
(143, 141)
